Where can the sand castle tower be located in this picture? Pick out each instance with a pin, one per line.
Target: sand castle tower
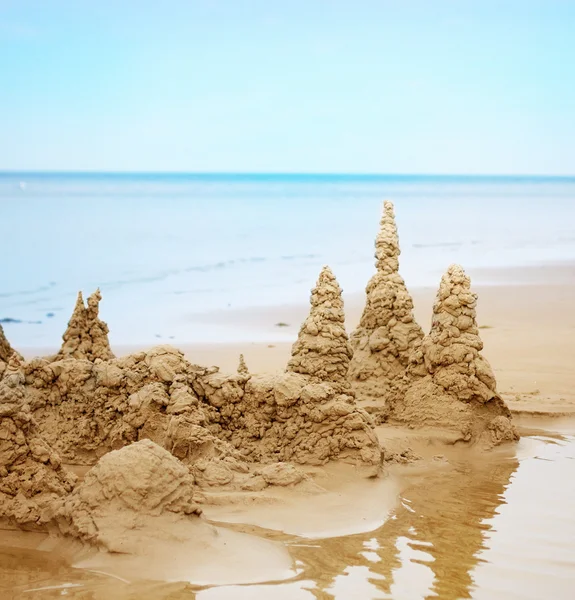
(86, 335)
(387, 332)
(454, 386)
(242, 367)
(322, 349)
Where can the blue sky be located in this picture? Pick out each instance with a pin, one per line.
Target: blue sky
(388, 86)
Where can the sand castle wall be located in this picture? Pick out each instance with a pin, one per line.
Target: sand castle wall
(387, 332)
(452, 384)
(31, 475)
(89, 408)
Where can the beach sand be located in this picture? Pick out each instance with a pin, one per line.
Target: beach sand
(457, 524)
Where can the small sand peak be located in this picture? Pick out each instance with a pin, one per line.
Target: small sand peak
(242, 367)
(387, 242)
(79, 306)
(9, 358)
(15, 362)
(322, 349)
(455, 306)
(6, 350)
(86, 335)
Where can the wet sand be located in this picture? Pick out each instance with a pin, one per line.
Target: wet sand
(471, 526)
(456, 524)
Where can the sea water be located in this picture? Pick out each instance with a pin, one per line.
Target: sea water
(164, 247)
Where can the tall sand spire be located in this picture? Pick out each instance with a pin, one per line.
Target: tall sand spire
(454, 385)
(322, 349)
(387, 332)
(86, 335)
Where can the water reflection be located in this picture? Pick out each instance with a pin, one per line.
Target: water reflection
(428, 548)
(490, 526)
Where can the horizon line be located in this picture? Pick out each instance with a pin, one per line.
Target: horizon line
(282, 174)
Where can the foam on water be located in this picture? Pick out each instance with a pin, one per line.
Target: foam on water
(161, 247)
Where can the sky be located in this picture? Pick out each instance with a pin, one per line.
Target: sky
(330, 86)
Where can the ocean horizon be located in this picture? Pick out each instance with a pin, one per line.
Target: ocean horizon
(165, 246)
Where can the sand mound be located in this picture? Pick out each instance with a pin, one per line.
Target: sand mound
(454, 386)
(86, 336)
(387, 332)
(141, 479)
(31, 476)
(322, 350)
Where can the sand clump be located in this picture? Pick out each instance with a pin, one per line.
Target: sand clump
(140, 480)
(452, 385)
(31, 475)
(86, 336)
(387, 332)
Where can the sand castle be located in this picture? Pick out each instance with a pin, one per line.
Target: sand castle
(453, 385)
(86, 335)
(387, 332)
(197, 427)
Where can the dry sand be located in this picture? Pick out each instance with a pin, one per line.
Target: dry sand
(419, 530)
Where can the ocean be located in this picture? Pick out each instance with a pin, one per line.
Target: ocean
(164, 247)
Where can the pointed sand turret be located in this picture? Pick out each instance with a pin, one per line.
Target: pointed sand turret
(322, 349)
(387, 332)
(242, 367)
(86, 335)
(454, 386)
(7, 353)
